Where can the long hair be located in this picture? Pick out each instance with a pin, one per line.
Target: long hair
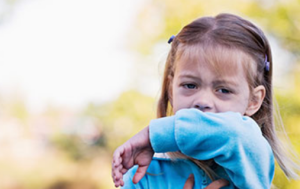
(233, 32)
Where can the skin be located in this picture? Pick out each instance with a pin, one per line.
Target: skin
(196, 84)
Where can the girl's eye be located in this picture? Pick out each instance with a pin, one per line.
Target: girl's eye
(190, 86)
(224, 91)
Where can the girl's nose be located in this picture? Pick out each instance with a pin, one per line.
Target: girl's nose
(203, 107)
(203, 101)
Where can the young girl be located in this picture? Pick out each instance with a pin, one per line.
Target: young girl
(215, 113)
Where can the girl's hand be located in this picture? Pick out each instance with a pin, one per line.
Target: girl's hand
(136, 151)
(214, 185)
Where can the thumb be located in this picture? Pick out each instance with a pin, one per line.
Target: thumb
(139, 174)
(189, 182)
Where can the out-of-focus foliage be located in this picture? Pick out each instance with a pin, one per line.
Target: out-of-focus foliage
(158, 20)
(66, 149)
(281, 19)
(289, 105)
(122, 118)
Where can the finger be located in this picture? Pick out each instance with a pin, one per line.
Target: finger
(122, 183)
(117, 174)
(189, 184)
(117, 156)
(116, 166)
(140, 172)
(119, 170)
(113, 174)
(217, 184)
(118, 161)
(119, 182)
(117, 177)
(123, 171)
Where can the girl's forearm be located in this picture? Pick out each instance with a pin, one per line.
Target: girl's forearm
(233, 141)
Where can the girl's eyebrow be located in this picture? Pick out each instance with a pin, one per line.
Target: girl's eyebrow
(189, 75)
(217, 81)
(224, 81)
(230, 82)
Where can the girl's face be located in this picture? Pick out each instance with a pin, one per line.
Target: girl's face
(197, 84)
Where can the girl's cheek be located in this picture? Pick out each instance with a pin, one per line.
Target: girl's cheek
(222, 106)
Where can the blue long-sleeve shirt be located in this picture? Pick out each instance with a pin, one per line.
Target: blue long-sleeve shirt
(235, 142)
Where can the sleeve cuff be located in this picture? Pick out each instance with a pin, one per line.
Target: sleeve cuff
(162, 135)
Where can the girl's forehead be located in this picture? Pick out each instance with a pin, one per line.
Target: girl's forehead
(223, 61)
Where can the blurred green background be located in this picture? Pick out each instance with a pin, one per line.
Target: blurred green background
(47, 142)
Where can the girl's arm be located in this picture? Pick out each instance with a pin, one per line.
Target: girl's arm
(235, 142)
(138, 151)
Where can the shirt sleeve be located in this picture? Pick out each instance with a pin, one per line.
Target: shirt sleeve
(234, 141)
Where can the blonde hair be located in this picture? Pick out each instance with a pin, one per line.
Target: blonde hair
(231, 32)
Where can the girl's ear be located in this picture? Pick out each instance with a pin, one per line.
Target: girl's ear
(256, 100)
